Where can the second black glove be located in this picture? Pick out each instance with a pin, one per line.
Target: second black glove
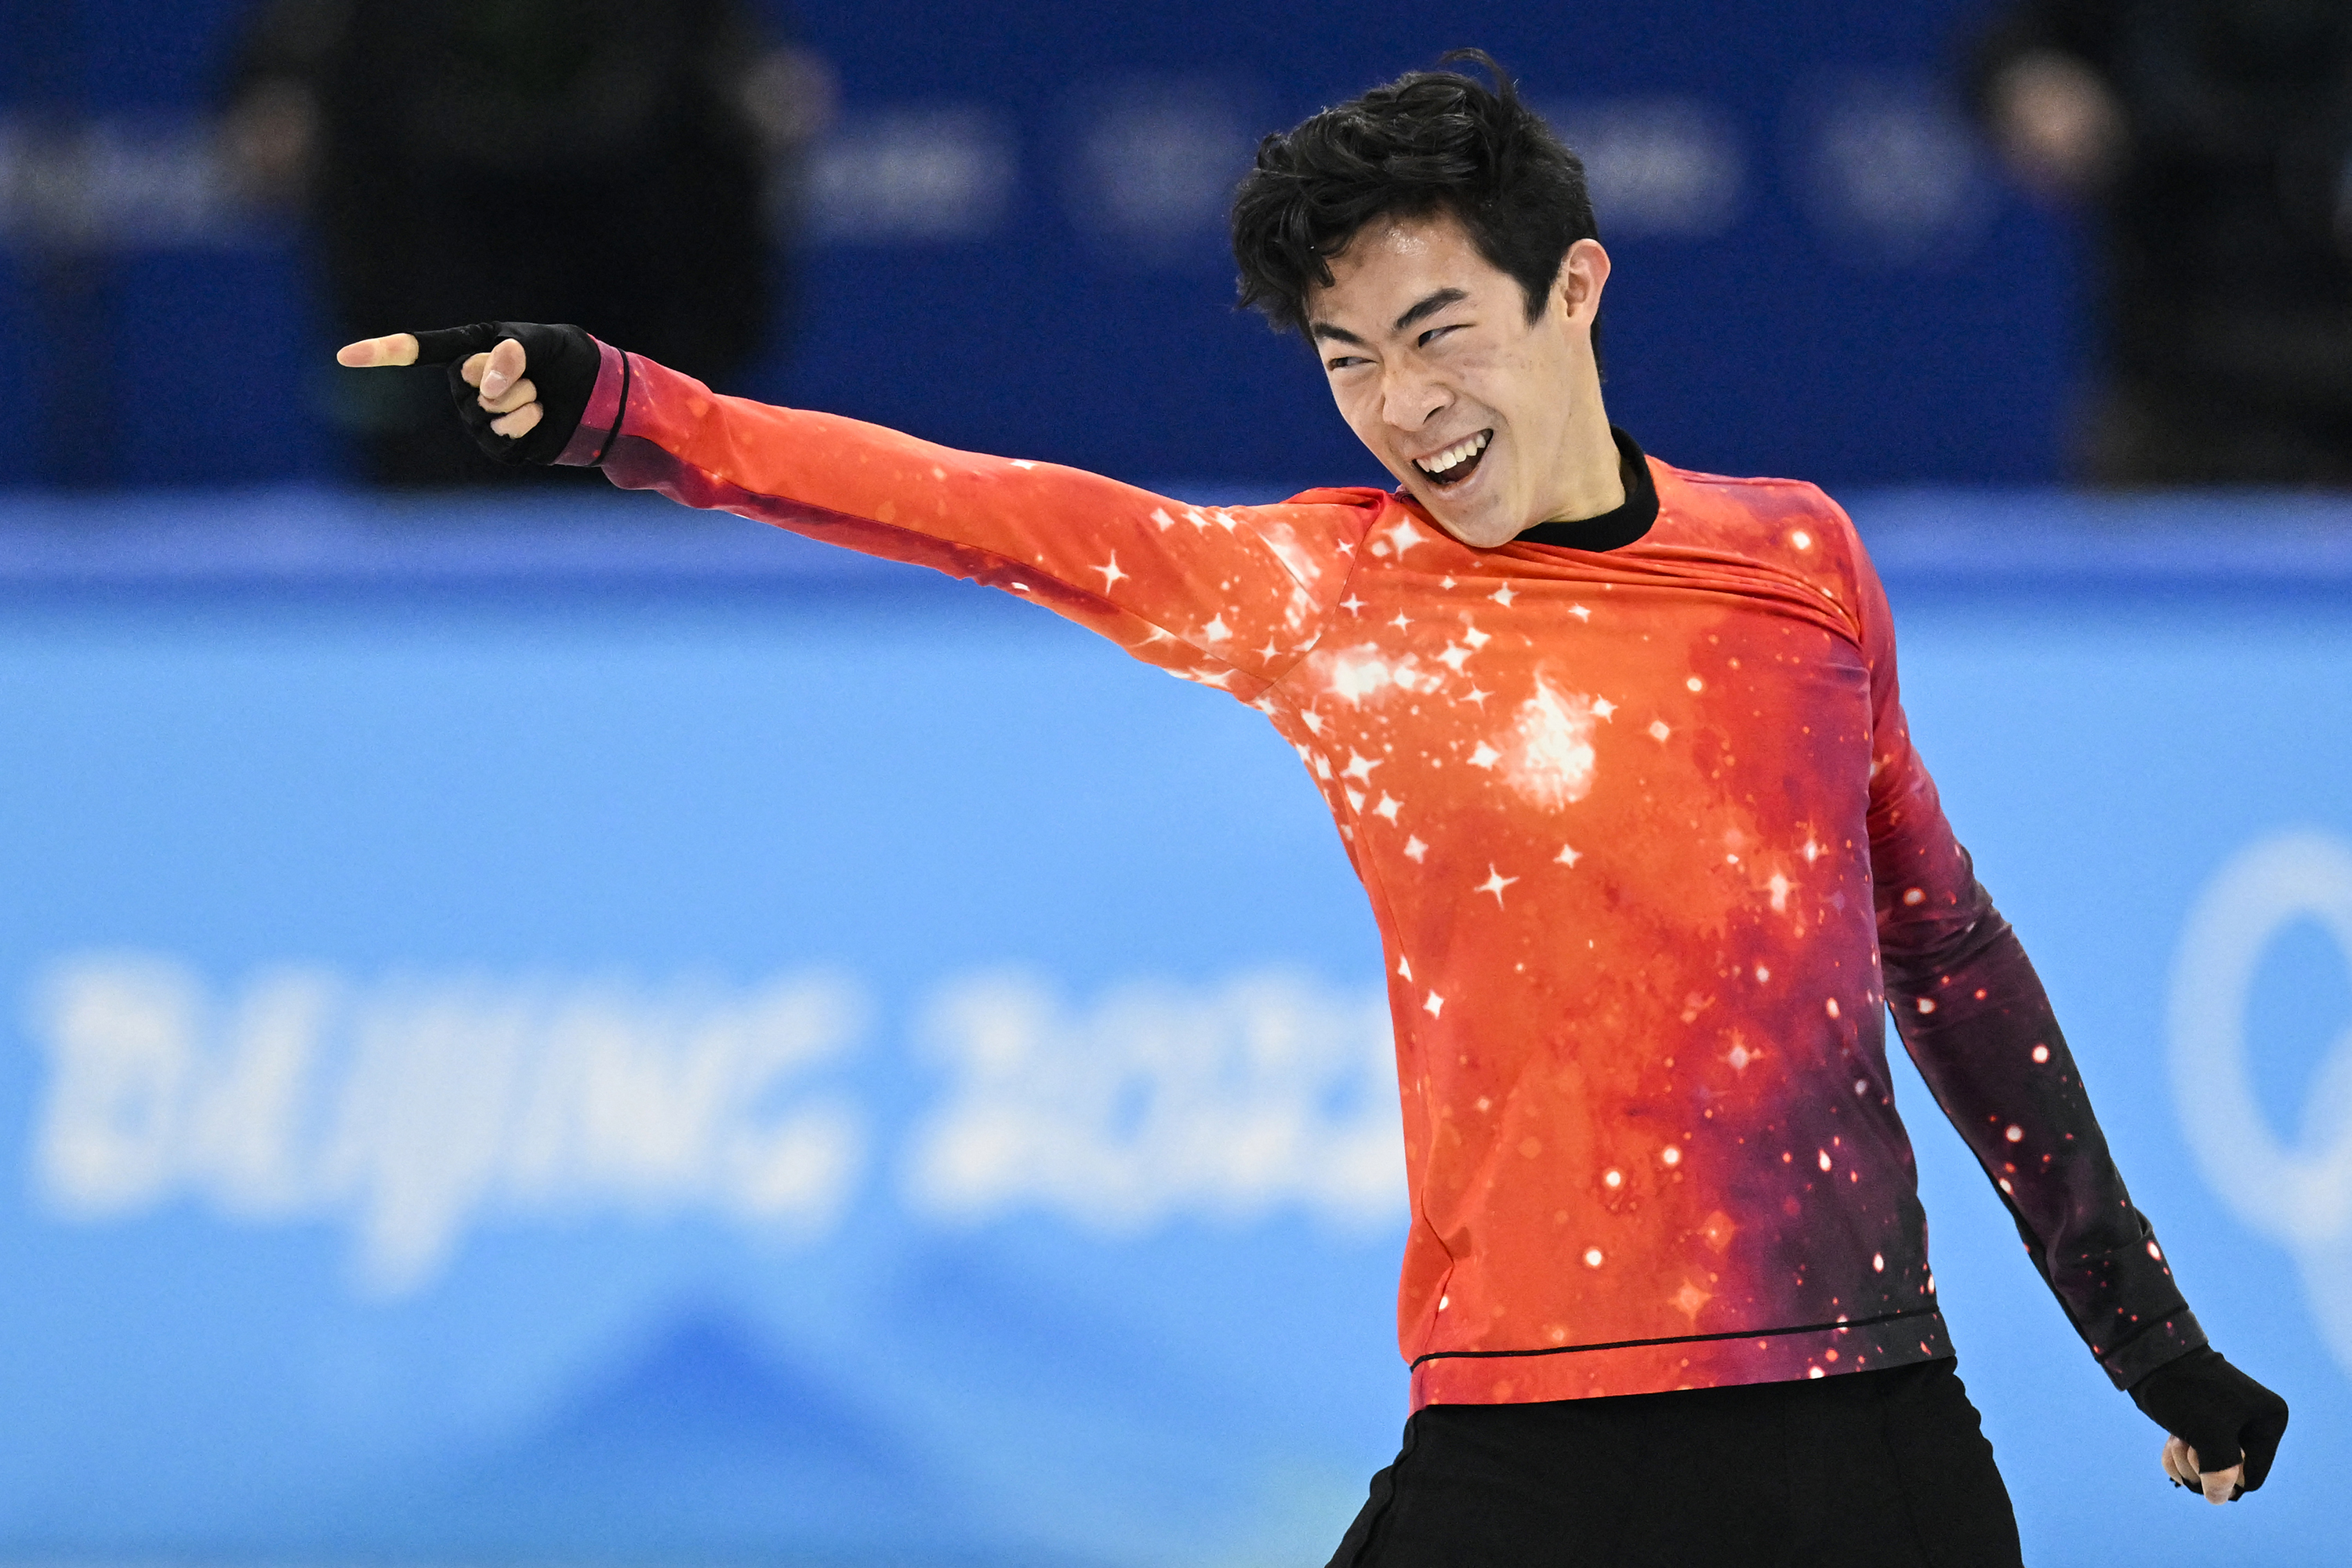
(2217, 1410)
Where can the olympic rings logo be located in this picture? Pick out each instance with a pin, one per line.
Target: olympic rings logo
(2299, 1196)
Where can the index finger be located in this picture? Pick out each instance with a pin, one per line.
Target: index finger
(446, 346)
(398, 349)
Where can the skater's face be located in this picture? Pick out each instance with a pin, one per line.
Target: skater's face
(1487, 418)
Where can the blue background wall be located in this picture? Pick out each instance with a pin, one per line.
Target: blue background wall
(1817, 271)
(634, 950)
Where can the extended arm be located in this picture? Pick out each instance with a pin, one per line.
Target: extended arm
(1977, 1021)
(1229, 597)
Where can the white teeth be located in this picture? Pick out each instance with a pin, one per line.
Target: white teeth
(1460, 452)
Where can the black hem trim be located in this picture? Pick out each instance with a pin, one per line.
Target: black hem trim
(1682, 1338)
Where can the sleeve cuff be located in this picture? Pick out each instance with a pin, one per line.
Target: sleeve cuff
(600, 422)
(2167, 1339)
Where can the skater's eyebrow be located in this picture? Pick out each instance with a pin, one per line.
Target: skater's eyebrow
(1422, 309)
(1429, 306)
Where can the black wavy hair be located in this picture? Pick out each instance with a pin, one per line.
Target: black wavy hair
(1430, 141)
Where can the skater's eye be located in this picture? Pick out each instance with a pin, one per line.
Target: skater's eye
(1343, 361)
(1434, 333)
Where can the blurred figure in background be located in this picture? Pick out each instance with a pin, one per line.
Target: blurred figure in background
(2213, 138)
(629, 146)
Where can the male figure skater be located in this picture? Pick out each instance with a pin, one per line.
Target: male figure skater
(1617, 753)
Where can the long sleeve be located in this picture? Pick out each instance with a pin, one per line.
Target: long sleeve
(1230, 598)
(1976, 1020)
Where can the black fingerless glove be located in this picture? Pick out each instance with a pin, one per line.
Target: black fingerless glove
(2217, 1410)
(561, 363)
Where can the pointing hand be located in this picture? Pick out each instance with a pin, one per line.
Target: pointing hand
(514, 417)
(503, 388)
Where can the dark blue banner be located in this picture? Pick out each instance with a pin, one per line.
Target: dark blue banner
(1008, 237)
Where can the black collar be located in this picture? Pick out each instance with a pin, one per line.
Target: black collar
(1615, 529)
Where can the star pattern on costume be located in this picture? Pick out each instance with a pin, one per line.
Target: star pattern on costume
(1404, 536)
(1767, 961)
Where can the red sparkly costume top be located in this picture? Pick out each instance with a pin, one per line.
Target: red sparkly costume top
(1637, 826)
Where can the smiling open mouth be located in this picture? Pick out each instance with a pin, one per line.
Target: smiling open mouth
(1454, 463)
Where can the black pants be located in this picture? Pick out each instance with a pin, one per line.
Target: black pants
(1885, 1469)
